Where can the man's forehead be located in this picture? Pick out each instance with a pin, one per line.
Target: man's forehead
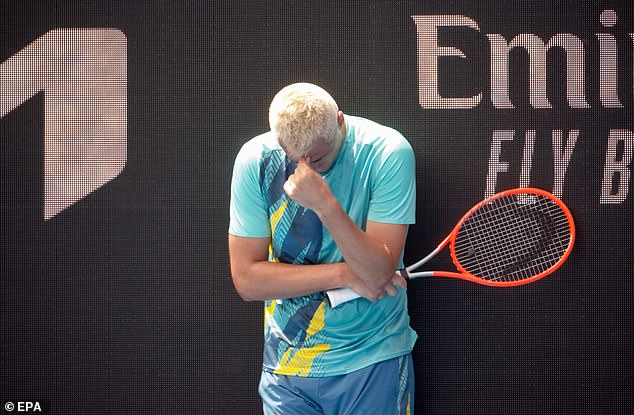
(319, 145)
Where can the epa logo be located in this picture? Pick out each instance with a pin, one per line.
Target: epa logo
(83, 75)
(23, 407)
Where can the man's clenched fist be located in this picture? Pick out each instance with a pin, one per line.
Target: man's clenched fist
(307, 187)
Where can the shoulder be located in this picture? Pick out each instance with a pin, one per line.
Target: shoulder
(260, 145)
(257, 149)
(381, 138)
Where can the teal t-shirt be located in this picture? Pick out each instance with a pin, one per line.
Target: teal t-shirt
(373, 178)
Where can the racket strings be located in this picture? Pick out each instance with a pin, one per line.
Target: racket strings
(518, 259)
(509, 259)
(512, 238)
(505, 258)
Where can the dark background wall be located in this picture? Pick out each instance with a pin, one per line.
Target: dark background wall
(123, 302)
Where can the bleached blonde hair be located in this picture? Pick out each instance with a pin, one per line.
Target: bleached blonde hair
(299, 114)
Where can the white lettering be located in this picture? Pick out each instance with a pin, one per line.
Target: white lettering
(615, 164)
(608, 64)
(561, 158)
(428, 54)
(495, 164)
(527, 159)
(608, 91)
(537, 68)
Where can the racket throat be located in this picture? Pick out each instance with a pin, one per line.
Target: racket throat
(428, 257)
(424, 274)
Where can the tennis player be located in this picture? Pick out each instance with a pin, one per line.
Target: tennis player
(322, 201)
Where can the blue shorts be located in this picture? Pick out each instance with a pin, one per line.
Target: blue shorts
(384, 388)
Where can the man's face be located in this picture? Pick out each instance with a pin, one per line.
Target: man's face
(322, 154)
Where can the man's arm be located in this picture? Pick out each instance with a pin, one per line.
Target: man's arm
(257, 279)
(372, 255)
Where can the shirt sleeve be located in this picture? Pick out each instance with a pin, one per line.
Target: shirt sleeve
(393, 198)
(248, 215)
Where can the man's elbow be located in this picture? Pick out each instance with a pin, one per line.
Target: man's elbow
(383, 276)
(242, 286)
(390, 264)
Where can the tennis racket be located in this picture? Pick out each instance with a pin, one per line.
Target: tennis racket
(512, 238)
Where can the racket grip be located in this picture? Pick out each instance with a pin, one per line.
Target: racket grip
(340, 296)
(343, 295)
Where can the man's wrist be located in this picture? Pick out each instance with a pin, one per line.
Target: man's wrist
(328, 208)
(343, 275)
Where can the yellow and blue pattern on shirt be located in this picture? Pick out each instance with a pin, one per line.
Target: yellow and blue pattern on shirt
(296, 236)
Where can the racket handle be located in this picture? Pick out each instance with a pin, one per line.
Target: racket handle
(340, 296)
(343, 295)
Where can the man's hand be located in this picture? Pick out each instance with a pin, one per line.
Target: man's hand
(397, 281)
(307, 187)
(391, 288)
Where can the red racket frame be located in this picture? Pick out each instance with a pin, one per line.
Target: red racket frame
(465, 275)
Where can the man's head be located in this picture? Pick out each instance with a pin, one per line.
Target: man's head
(306, 120)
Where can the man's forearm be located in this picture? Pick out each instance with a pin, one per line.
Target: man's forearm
(366, 256)
(263, 280)
(257, 279)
